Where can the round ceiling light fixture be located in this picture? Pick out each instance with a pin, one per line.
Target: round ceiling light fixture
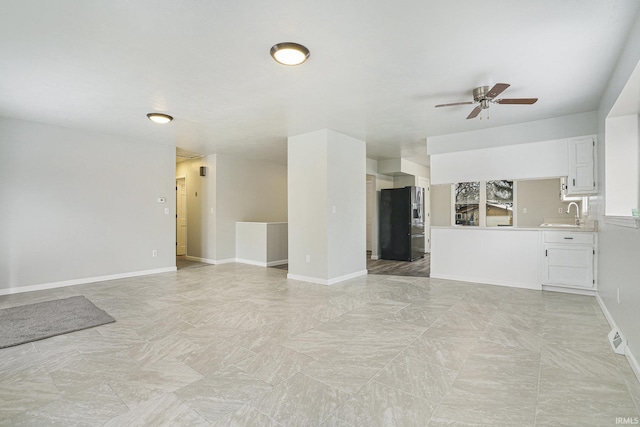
(289, 53)
(159, 118)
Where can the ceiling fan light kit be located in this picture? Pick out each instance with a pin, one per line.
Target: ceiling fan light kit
(485, 96)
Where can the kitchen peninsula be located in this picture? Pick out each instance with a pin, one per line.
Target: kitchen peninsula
(541, 258)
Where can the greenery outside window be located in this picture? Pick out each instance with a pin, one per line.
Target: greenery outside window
(467, 203)
(499, 205)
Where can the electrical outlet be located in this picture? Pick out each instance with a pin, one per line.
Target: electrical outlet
(154, 253)
(559, 210)
(308, 258)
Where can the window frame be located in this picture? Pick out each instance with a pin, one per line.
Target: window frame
(482, 206)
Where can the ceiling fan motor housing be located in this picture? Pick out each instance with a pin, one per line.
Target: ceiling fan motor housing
(480, 93)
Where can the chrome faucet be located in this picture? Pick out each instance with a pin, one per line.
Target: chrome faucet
(577, 211)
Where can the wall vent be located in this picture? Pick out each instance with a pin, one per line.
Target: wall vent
(617, 341)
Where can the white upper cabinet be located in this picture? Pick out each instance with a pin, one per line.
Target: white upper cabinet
(582, 174)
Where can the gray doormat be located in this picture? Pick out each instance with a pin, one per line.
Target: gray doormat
(33, 322)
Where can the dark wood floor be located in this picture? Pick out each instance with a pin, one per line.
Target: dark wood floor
(418, 268)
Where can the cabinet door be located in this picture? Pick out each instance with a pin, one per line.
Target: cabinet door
(570, 265)
(581, 166)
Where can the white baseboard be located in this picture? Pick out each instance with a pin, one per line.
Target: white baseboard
(83, 281)
(534, 286)
(635, 366)
(210, 261)
(261, 263)
(198, 259)
(327, 282)
(240, 260)
(575, 291)
(280, 262)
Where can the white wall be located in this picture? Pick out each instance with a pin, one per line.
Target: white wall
(622, 154)
(522, 133)
(308, 204)
(618, 266)
(245, 190)
(234, 190)
(484, 255)
(542, 159)
(346, 198)
(79, 205)
(327, 206)
(441, 205)
(402, 167)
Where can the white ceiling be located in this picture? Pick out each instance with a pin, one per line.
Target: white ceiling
(377, 68)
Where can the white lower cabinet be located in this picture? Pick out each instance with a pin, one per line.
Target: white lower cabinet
(568, 259)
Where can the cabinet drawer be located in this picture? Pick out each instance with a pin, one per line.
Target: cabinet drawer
(581, 238)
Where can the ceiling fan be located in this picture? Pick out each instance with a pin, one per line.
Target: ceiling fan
(483, 96)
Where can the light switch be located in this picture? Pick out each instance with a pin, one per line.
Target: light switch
(524, 210)
(166, 211)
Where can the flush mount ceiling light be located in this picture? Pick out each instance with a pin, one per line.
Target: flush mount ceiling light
(289, 53)
(159, 118)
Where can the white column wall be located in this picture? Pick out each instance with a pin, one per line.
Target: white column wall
(618, 266)
(307, 184)
(347, 206)
(327, 207)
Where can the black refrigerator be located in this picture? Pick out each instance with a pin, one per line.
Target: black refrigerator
(402, 223)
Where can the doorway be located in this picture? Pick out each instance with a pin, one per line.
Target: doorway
(426, 184)
(181, 216)
(371, 194)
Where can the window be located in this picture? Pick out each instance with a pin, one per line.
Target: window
(484, 203)
(499, 206)
(467, 203)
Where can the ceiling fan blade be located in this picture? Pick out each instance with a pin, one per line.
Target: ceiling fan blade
(475, 112)
(497, 89)
(524, 101)
(455, 103)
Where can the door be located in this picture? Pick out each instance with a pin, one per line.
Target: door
(181, 216)
(568, 265)
(426, 185)
(370, 209)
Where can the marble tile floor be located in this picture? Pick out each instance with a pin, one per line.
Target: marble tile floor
(238, 345)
